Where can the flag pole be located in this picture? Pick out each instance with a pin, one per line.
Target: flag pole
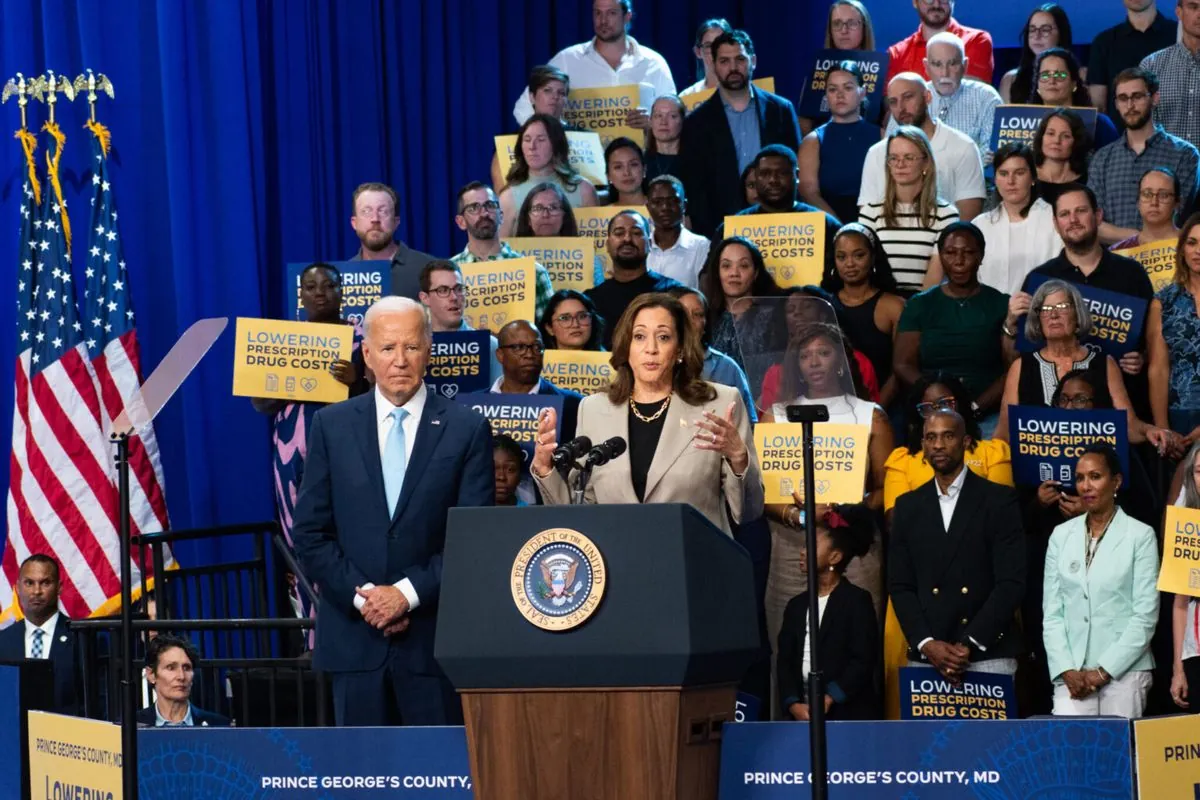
(128, 705)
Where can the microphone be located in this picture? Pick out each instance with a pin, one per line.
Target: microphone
(570, 452)
(606, 451)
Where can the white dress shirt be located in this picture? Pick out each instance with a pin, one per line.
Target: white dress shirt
(1014, 249)
(587, 69)
(47, 629)
(683, 261)
(959, 167)
(497, 390)
(384, 422)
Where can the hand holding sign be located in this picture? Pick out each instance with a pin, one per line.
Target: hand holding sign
(343, 371)
(545, 443)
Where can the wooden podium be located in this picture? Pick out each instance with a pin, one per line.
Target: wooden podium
(627, 705)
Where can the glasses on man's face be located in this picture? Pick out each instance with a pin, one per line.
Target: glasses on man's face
(445, 291)
(1160, 196)
(840, 25)
(1082, 400)
(522, 348)
(1130, 99)
(1058, 309)
(1057, 75)
(582, 318)
(471, 209)
(908, 159)
(1040, 31)
(381, 213)
(545, 211)
(926, 408)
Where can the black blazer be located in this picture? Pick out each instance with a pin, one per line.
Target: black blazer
(200, 718)
(963, 584)
(848, 646)
(67, 690)
(708, 157)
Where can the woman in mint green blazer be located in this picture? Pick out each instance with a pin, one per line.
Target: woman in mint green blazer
(1100, 601)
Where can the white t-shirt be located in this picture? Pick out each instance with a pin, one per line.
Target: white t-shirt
(959, 168)
(1014, 249)
(683, 261)
(806, 667)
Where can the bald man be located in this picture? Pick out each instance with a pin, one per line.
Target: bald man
(956, 568)
(957, 159)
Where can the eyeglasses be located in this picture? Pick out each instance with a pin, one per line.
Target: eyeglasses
(475, 208)
(1057, 308)
(1058, 75)
(846, 24)
(1128, 99)
(445, 291)
(523, 349)
(1040, 31)
(545, 211)
(1161, 196)
(1076, 400)
(582, 318)
(906, 159)
(926, 409)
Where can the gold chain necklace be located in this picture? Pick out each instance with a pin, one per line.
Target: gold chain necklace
(662, 410)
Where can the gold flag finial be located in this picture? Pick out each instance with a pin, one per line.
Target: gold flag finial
(23, 89)
(52, 85)
(93, 83)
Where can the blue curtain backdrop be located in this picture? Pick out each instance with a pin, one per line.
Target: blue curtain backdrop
(241, 128)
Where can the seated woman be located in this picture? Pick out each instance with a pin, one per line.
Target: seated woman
(547, 212)
(171, 663)
(1047, 26)
(1159, 201)
(1019, 231)
(1099, 600)
(848, 641)
(864, 290)
(624, 165)
(548, 90)
(1061, 146)
(734, 276)
(541, 155)
(956, 327)
(832, 156)
(1060, 84)
(662, 140)
(848, 27)
(571, 322)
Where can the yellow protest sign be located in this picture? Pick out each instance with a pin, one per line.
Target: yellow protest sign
(792, 245)
(73, 757)
(583, 371)
(570, 260)
(585, 151)
(1157, 258)
(690, 101)
(1167, 764)
(1180, 571)
(286, 360)
(840, 459)
(603, 111)
(499, 292)
(593, 223)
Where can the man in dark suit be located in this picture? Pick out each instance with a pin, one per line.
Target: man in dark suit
(724, 134)
(383, 469)
(957, 562)
(45, 631)
(376, 217)
(171, 663)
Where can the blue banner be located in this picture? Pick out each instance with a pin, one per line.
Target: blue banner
(925, 694)
(10, 730)
(460, 363)
(1047, 442)
(1018, 124)
(747, 708)
(321, 763)
(874, 69)
(363, 282)
(1076, 757)
(516, 415)
(1117, 319)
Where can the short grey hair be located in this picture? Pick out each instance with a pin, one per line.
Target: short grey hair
(1033, 320)
(394, 304)
(945, 37)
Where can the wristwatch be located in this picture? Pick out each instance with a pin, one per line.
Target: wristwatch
(1012, 334)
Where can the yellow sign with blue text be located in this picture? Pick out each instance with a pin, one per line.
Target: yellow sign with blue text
(1168, 756)
(73, 757)
(286, 360)
(593, 223)
(570, 260)
(1180, 571)
(792, 245)
(603, 111)
(1157, 258)
(583, 371)
(840, 460)
(499, 292)
(584, 151)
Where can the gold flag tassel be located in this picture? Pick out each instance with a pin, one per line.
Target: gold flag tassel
(101, 133)
(60, 138)
(29, 144)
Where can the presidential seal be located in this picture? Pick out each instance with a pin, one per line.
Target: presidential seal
(558, 579)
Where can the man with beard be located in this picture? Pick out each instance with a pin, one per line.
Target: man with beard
(1083, 261)
(724, 134)
(444, 294)
(45, 632)
(480, 216)
(908, 55)
(376, 217)
(611, 58)
(1116, 170)
(968, 106)
(628, 233)
(956, 157)
(956, 562)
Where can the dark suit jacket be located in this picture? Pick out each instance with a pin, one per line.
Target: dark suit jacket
(67, 691)
(708, 157)
(342, 526)
(848, 646)
(963, 584)
(406, 270)
(200, 718)
(570, 413)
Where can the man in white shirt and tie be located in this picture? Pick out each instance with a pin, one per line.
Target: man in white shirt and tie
(44, 633)
(383, 470)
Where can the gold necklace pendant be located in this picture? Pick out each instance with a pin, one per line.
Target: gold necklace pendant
(662, 410)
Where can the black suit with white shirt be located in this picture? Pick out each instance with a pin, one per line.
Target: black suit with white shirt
(58, 646)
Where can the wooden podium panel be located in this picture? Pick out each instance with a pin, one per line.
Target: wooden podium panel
(654, 743)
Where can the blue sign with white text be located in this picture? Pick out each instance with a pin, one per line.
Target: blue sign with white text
(516, 415)
(926, 694)
(1047, 442)
(873, 66)
(459, 363)
(1018, 124)
(363, 282)
(1117, 319)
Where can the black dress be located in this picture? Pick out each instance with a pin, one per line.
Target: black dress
(1039, 377)
(866, 336)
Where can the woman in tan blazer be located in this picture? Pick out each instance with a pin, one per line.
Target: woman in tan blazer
(688, 440)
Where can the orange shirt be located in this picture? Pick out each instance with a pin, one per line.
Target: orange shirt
(908, 55)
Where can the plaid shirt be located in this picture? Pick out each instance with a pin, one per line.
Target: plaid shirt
(1178, 71)
(970, 110)
(1116, 171)
(543, 290)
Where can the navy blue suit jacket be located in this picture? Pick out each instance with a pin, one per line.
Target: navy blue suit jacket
(342, 523)
(62, 654)
(200, 718)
